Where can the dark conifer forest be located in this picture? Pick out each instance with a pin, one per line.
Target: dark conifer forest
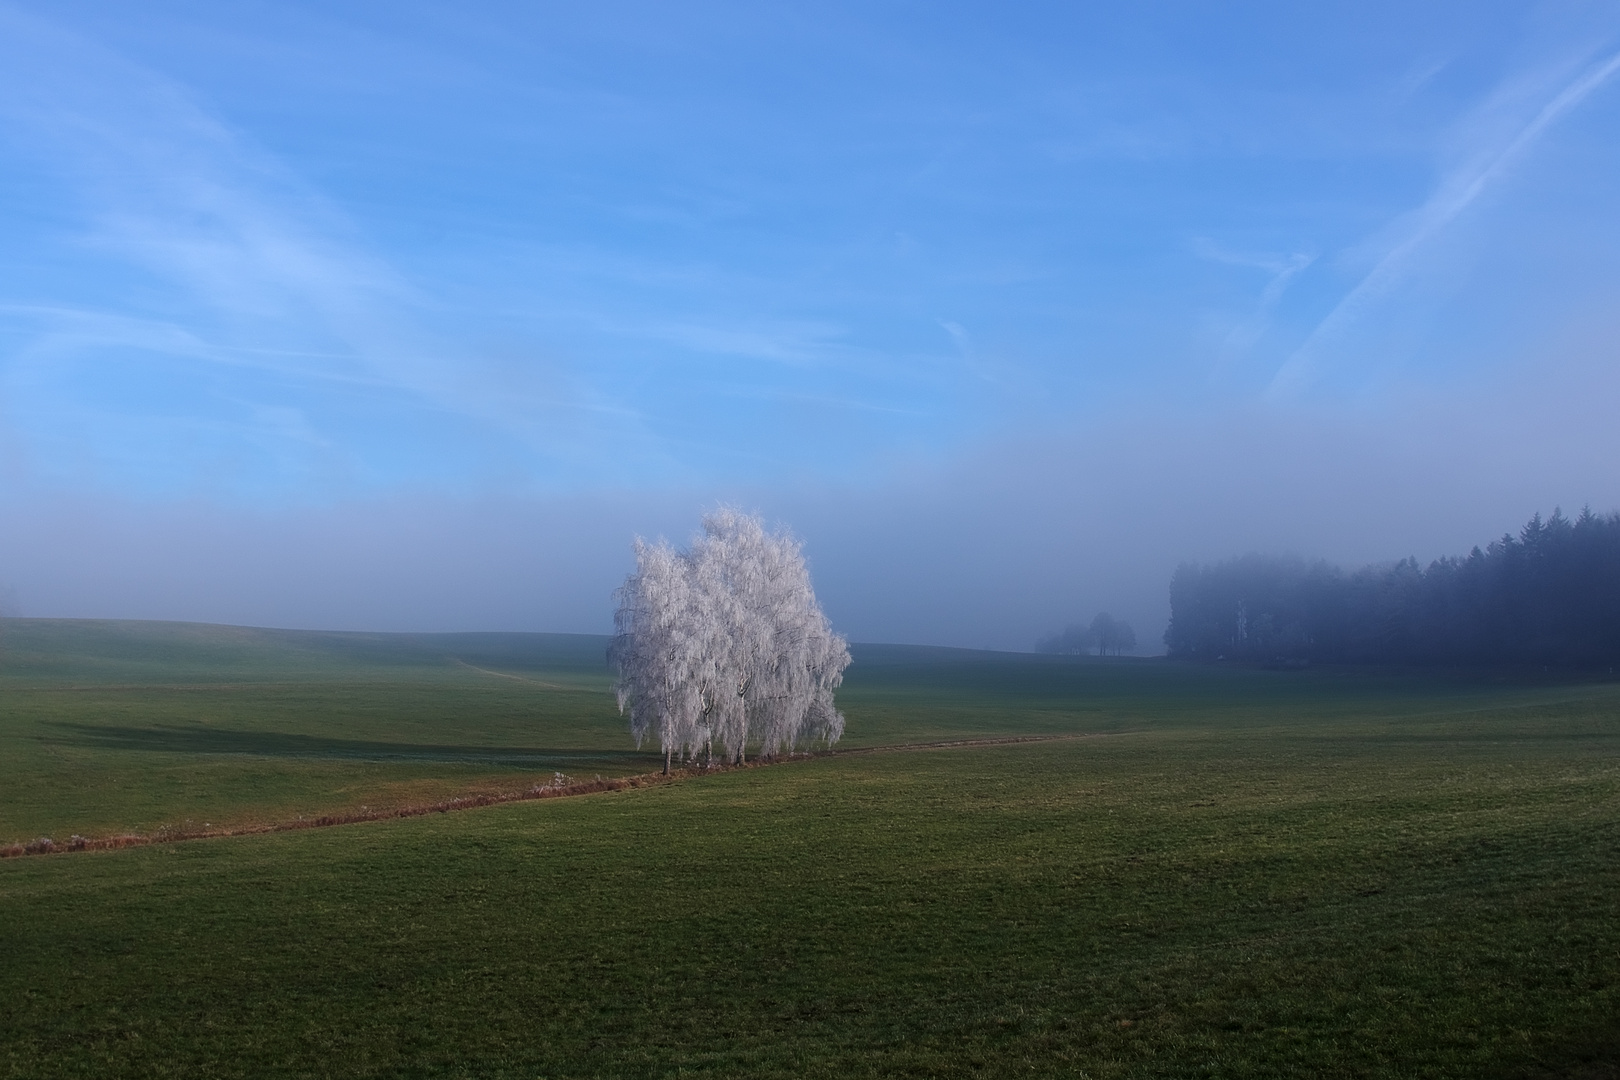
(1548, 597)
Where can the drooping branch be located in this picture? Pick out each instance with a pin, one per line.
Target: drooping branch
(724, 644)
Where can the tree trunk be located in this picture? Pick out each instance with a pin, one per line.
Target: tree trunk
(667, 752)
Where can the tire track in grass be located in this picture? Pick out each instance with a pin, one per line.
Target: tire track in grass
(555, 790)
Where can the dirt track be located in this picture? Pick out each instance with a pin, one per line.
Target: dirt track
(44, 846)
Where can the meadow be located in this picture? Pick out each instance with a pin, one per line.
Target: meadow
(153, 727)
(1199, 871)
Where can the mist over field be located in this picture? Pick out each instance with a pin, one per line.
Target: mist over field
(378, 318)
(991, 551)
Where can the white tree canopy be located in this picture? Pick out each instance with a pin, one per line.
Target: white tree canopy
(724, 645)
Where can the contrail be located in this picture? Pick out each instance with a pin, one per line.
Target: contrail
(1453, 197)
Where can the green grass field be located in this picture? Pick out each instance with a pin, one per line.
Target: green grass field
(1223, 873)
(117, 727)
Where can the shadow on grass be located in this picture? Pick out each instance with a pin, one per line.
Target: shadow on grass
(181, 739)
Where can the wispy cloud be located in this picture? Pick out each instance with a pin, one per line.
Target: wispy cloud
(1241, 336)
(54, 332)
(969, 350)
(270, 274)
(796, 344)
(1460, 188)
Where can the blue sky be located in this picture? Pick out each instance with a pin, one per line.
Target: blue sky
(401, 316)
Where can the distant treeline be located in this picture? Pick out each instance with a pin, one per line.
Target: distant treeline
(1551, 596)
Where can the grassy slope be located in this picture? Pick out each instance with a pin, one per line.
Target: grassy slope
(108, 727)
(1258, 874)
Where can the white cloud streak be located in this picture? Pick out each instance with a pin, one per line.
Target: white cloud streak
(1456, 192)
(1283, 269)
(271, 275)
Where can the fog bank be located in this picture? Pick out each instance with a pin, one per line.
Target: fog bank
(992, 548)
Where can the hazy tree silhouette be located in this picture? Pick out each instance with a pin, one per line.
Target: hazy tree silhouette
(1549, 596)
(1106, 634)
(1112, 635)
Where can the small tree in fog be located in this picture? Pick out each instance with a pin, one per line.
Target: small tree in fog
(725, 645)
(1074, 640)
(1112, 635)
(1106, 634)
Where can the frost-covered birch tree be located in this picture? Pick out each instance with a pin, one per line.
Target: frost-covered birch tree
(723, 646)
